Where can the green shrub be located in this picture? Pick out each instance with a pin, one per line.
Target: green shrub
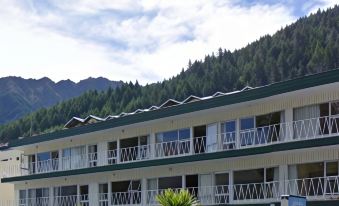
(181, 198)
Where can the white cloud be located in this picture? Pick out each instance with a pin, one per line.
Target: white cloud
(147, 40)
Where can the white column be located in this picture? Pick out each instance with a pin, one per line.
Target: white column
(93, 190)
(237, 135)
(118, 151)
(183, 181)
(102, 153)
(231, 190)
(152, 143)
(51, 196)
(143, 191)
(191, 141)
(288, 122)
(60, 160)
(17, 197)
(283, 177)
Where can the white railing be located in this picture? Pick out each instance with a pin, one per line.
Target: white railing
(290, 131)
(81, 200)
(10, 170)
(112, 157)
(126, 198)
(256, 191)
(318, 188)
(7, 203)
(272, 134)
(314, 188)
(135, 153)
(172, 148)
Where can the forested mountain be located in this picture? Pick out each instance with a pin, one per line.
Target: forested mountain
(20, 96)
(308, 46)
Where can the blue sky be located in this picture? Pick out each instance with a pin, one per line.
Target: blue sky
(127, 40)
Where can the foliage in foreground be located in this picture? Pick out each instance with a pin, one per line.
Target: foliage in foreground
(181, 198)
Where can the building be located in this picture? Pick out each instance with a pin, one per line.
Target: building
(9, 164)
(246, 147)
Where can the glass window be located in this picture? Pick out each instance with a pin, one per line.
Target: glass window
(221, 179)
(170, 182)
(228, 132)
(184, 134)
(334, 108)
(247, 123)
(103, 188)
(249, 176)
(331, 169)
(310, 170)
(44, 156)
(83, 190)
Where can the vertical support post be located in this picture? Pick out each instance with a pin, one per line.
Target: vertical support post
(231, 187)
(152, 145)
(283, 177)
(51, 196)
(143, 191)
(288, 124)
(237, 134)
(60, 160)
(118, 151)
(183, 181)
(191, 141)
(102, 154)
(93, 189)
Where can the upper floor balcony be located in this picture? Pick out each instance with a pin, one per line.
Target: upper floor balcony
(225, 136)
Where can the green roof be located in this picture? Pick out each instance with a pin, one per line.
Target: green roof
(323, 78)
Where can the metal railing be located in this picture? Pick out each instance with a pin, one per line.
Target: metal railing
(272, 134)
(317, 188)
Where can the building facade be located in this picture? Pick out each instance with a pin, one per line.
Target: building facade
(246, 147)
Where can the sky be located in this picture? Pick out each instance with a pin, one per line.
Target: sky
(144, 40)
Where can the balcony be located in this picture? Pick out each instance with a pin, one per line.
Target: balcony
(318, 188)
(256, 137)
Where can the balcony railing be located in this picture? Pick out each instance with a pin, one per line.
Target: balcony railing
(318, 188)
(272, 134)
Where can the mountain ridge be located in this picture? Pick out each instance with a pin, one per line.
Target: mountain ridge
(20, 96)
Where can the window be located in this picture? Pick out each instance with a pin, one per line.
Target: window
(47, 161)
(135, 148)
(170, 182)
(22, 198)
(173, 142)
(103, 194)
(247, 131)
(65, 195)
(255, 180)
(126, 192)
(222, 185)
(74, 158)
(228, 134)
(92, 155)
(112, 152)
(39, 196)
(84, 200)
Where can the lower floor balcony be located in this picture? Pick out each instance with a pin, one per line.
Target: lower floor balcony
(314, 189)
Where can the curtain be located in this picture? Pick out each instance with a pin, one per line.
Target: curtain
(309, 126)
(292, 184)
(211, 140)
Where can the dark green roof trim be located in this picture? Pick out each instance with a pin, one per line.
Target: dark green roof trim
(191, 158)
(248, 95)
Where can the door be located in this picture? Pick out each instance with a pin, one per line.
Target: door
(205, 189)
(211, 140)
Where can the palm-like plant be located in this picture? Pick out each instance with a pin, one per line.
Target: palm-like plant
(181, 198)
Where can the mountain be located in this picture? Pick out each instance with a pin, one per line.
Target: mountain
(309, 45)
(19, 96)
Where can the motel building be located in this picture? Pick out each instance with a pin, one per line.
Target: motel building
(247, 147)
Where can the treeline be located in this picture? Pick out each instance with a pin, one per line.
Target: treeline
(308, 46)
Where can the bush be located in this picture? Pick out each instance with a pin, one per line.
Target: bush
(181, 198)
